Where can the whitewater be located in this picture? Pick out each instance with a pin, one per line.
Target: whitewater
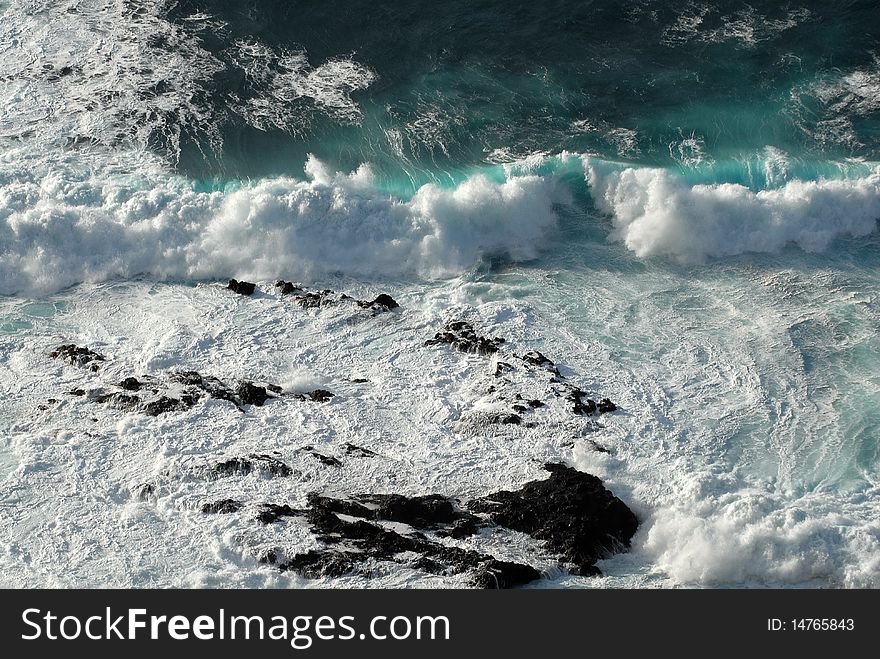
(715, 276)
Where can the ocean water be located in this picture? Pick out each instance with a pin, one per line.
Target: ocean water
(676, 202)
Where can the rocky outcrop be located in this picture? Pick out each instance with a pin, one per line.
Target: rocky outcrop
(262, 464)
(462, 336)
(326, 298)
(222, 507)
(572, 512)
(77, 356)
(241, 287)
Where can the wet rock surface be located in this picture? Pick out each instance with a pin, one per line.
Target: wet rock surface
(222, 507)
(77, 356)
(241, 287)
(572, 512)
(265, 465)
(309, 299)
(316, 396)
(461, 335)
(177, 391)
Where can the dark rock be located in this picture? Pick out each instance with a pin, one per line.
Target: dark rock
(118, 401)
(422, 512)
(535, 358)
(251, 394)
(241, 287)
(572, 512)
(318, 396)
(224, 506)
(77, 392)
(144, 491)
(504, 418)
(605, 406)
(130, 384)
(535, 403)
(327, 460)
(271, 513)
(316, 564)
(461, 336)
(520, 408)
(234, 467)
(270, 557)
(383, 302)
(503, 574)
(580, 404)
(360, 380)
(461, 528)
(501, 368)
(76, 356)
(287, 288)
(274, 388)
(316, 300)
(166, 404)
(358, 451)
(265, 464)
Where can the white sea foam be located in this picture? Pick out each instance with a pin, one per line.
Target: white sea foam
(62, 229)
(656, 212)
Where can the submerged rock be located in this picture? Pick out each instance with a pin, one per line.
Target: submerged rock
(261, 463)
(327, 460)
(224, 506)
(317, 396)
(166, 404)
(572, 512)
(241, 287)
(76, 356)
(382, 302)
(271, 513)
(462, 336)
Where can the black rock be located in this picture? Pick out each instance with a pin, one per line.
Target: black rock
(572, 512)
(77, 392)
(316, 564)
(130, 384)
(271, 513)
(315, 300)
(265, 464)
(328, 460)
(166, 404)
(76, 356)
(251, 394)
(535, 358)
(144, 491)
(358, 451)
(461, 336)
(501, 368)
(422, 512)
(461, 528)
(504, 418)
(605, 406)
(383, 302)
(496, 574)
(241, 287)
(125, 402)
(224, 506)
(535, 403)
(318, 396)
(287, 288)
